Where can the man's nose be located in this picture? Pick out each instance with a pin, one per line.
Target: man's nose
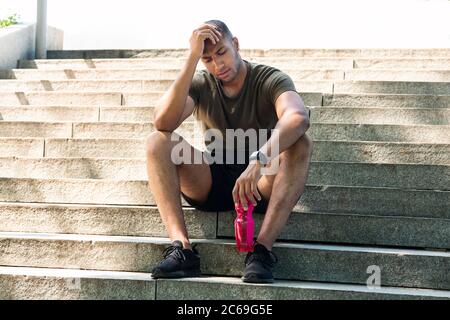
(218, 64)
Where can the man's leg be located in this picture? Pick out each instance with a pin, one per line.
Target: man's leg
(166, 179)
(284, 189)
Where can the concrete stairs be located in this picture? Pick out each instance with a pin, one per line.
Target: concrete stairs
(77, 220)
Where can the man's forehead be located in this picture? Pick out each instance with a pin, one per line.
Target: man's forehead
(211, 49)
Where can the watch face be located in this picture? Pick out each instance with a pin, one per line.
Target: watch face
(258, 155)
(262, 158)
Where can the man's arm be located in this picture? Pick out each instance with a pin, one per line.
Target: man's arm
(175, 104)
(171, 105)
(293, 122)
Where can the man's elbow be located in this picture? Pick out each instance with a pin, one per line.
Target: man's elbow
(302, 122)
(160, 125)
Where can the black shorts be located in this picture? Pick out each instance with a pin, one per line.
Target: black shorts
(220, 197)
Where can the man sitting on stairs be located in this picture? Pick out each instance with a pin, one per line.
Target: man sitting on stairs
(232, 93)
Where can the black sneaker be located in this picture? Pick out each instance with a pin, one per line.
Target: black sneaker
(178, 262)
(259, 265)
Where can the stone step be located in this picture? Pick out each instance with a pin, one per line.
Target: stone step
(352, 229)
(121, 53)
(230, 288)
(409, 176)
(347, 151)
(386, 100)
(317, 198)
(139, 86)
(319, 114)
(94, 130)
(123, 85)
(149, 74)
(412, 232)
(277, 62)
(22, 147)
(55, 113)
(150, 98)
(171, 74)
(20, 283)
(136, 53)
(376, 132)
(357, 63)
(85, 113)
(19, 129)
(192, 131)
(403, 63)
(148, 53)
(100, 219)
(387, 87)
(67, 98)
(379, 116)
(304, 262)
(380, 152)
(346, 86)
(377, 53)
(68, 284)
(172, 63)
(396, 75)
(91, 74)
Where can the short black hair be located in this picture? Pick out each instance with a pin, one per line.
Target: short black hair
(222, 27)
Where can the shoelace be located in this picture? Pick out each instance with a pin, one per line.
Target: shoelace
(178, 253)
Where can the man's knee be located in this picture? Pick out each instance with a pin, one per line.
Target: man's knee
(156, 142)
(301, 149)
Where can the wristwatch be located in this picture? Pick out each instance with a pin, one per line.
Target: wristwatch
(260, 156)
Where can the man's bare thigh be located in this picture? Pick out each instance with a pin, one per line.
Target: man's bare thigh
(195, 176)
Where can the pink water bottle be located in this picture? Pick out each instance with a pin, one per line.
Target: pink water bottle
(244, 227)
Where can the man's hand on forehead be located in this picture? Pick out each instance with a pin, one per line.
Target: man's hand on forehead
(216, 27)
(200, 35)
(216, 30)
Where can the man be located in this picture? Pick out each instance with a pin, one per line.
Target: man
(230, 94)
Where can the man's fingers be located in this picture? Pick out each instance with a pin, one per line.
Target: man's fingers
(209, 26)
(205, 26)
(216, 37)
(212, 28)
(249, 194)
(235, 194)
(214, 34)
(242, 198)
(256, 192)
(218, 33)
(209, 35)
(245, 193)
(215, 30)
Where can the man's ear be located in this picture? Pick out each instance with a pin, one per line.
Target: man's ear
(236, 43)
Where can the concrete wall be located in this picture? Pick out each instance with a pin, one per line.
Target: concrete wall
(55, 39)
(18, 42)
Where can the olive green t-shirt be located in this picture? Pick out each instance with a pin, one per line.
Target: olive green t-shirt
(252, 108)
